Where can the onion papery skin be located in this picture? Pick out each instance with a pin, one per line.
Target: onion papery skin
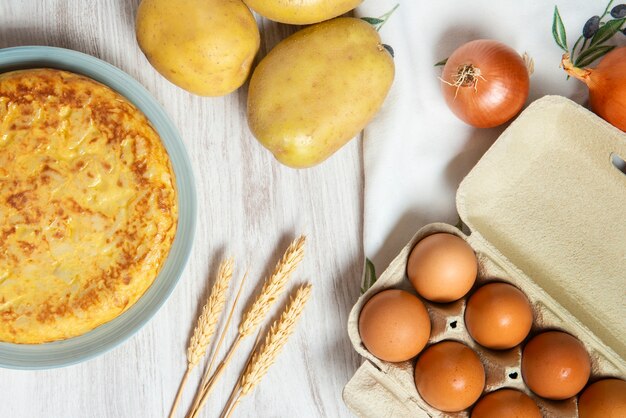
(497, 95)
(607, 88)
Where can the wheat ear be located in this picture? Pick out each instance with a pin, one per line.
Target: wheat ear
(206, 324)
(275, 340)
(255, 313)
(199, 391)
(273, 287)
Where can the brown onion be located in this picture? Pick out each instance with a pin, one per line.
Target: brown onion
(607, 85)
(485, 83)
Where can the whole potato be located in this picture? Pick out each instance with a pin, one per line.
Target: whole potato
(204, 46)
(317, 89)
(298, 12)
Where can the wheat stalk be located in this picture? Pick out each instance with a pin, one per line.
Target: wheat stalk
(254, 315)
(275, 340)
(237, 386)
(273, 287)
(206, 324)
(206, 377)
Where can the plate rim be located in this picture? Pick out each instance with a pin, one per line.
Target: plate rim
(112, 334)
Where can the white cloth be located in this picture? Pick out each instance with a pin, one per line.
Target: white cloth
(416, 151)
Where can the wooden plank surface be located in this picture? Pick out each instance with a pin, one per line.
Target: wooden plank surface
(249, 207)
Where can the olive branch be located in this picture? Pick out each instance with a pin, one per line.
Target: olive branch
(597, 30)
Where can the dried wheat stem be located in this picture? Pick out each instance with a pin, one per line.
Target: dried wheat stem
(206, 324)
(206, 391)
(180, 391)
(232, 406)
(234, 397)
(254, 315)
(274, 342)
(227, 324)
(235, 392)
(205, 377)
(273, 287)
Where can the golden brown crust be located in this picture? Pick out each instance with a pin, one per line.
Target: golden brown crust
(88, 206)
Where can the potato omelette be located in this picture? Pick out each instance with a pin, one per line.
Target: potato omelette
(88, 205)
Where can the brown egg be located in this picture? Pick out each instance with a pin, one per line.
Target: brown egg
(555, 365)
(603, 399)
(442, 267)
(506, 403)
(498, 316)
(449, 376)
(394, 325)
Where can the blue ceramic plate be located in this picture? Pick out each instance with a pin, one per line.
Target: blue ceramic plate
(107, 336)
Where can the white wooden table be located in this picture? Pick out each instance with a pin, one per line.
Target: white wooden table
(249, 207)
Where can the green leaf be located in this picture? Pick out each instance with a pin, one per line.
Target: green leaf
(591, 54)
(442, 62)
(558, 30)
(390, 50)
(607, 31)
(373, 20)
(369, 277)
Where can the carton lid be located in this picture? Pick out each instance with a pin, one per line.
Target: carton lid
(549, 199)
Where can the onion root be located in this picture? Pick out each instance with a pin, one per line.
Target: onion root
(466, 76)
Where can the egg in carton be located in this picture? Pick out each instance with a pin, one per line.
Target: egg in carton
(544, 211)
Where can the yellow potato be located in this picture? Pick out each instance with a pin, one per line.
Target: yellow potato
(204, 46)
(317, 89)
(299, 12)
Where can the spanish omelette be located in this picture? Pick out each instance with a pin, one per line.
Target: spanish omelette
(88, 205)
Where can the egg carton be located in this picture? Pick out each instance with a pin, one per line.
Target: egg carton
(544, 211)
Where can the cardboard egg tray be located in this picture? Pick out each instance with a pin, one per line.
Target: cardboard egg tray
(545, 210)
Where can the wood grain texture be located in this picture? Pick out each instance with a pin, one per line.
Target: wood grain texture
(250, 207)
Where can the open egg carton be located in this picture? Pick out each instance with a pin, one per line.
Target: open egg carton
(545, 213)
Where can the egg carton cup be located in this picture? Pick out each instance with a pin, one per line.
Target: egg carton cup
(544, 210)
